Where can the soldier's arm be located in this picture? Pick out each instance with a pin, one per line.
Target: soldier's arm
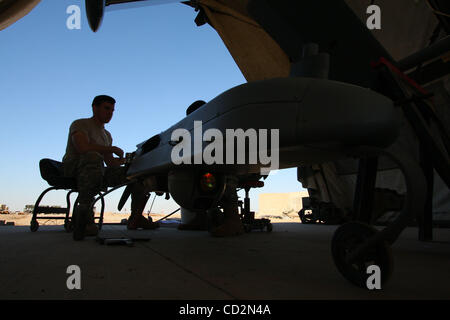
(81, 143)
(113, 162)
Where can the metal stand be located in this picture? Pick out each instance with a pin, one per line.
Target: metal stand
(247, 216)
(412, 99)
(102, 196)
(68, 223)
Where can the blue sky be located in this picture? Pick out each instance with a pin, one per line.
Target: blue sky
(154, 60)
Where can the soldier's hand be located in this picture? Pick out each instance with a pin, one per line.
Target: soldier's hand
(118, 152)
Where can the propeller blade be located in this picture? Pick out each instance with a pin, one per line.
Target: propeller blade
(113, 5)
(94, 11)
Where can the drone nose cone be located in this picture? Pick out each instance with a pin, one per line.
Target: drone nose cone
(94, 12)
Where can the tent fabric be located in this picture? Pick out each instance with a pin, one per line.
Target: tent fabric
(406, 26)
(13, 10)
(257, 55)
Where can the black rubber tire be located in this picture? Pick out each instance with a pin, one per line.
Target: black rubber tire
(34, 225)
(346, 238)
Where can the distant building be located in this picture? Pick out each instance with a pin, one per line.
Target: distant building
(4, 208)
(281, 204)
(28, 208)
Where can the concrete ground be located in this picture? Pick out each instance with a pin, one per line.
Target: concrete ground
(292, 262)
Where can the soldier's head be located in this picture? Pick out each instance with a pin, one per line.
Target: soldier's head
(103, 108)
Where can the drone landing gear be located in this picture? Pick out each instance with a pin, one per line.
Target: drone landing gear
(345, 243)
(356, 245)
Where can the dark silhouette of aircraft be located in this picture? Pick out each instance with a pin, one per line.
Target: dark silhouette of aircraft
(326, 89)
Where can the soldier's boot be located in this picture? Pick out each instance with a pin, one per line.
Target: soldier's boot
(139, 199)
(80, 218)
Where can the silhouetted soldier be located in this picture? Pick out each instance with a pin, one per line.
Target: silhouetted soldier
(89, 146)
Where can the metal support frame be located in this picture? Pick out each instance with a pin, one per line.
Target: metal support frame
(56, 210)
(245, 205)
(419, 114)
(432, 52)
(365, 189)
(413, 206)
(101, 197)
(426, 220)
(48, 210)
(248, 217)
(247, 201)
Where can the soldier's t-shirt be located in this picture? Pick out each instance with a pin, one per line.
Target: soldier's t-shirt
(94, 133)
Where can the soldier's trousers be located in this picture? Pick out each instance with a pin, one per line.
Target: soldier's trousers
(92, 177)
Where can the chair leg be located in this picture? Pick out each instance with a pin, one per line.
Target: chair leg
(34, 225)
(68, 226)
(100, 222)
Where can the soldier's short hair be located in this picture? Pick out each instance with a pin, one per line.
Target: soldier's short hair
(98, 100)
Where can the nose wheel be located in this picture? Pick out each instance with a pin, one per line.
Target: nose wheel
(346, 243)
